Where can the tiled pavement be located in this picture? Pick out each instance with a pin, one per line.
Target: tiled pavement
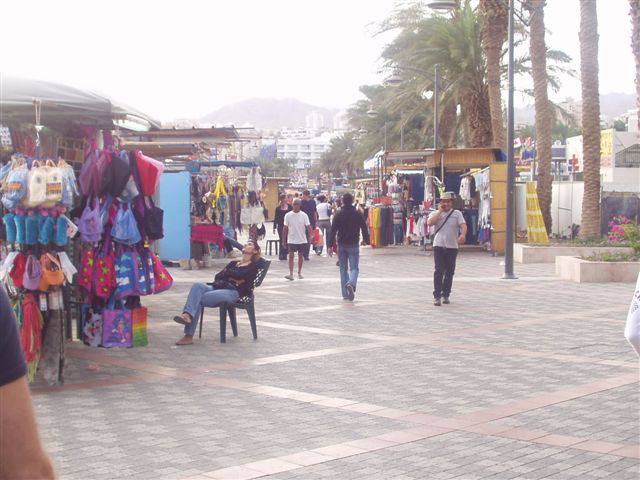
(516, 379)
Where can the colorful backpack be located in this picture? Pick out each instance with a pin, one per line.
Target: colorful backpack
(53, 184)
(85, 279)
(37, 190)
(32, 273)
(15, 188)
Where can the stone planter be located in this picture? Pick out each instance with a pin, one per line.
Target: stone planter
(524, 253)
(587, 271)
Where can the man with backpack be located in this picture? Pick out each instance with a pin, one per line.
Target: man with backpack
(450, 231)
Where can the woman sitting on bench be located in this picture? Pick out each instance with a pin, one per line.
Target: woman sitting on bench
(230, 284)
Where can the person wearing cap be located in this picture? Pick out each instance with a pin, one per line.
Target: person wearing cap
(450, 231)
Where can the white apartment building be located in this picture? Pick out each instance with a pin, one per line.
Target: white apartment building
(314, 120)
(306, 151)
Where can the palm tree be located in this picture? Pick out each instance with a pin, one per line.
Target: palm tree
(590, 226)
(494, 16)
(544, 113)
(454, 45)
(634, 13)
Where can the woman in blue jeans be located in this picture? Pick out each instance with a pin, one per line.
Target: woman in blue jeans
(230, 284)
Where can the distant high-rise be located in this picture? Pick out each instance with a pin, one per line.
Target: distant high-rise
(314, 120)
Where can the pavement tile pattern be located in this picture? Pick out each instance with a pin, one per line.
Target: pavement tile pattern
(525, 379)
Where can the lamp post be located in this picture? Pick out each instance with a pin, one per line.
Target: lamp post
(448, 5)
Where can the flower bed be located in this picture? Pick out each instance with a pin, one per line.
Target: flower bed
(524, 253)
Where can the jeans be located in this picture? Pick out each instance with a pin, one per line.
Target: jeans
(349, 257)
(325, 228)
(445, 260)
(283, 253)
(398, 234)
(203, 295)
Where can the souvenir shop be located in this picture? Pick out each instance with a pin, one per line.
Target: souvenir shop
(78, 221)
(223, 200)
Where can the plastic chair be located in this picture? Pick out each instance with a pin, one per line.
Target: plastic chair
(243, 303)
(272, 244)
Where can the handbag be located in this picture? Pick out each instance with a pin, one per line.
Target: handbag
(139, 317)
(125, 276)
(153, 220)
(85, 279)
(53, 184)
(15, 188)
(125, 229)
(52, 274)
(141, 283)
(91, 326)
(162, 278)
(37, 185)
(32, 273)
(90, 225)
(147, 260)
(104, 274)
(147, 172)
(116, 325)
(17, 270)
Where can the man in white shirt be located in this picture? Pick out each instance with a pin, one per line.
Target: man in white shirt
(324, 216)
(296, 227)
(450, 231)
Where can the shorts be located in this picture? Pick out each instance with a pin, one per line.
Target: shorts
(296, 247)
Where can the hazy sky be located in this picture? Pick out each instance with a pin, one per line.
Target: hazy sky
(185, 58)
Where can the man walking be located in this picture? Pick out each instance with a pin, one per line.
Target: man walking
(347, 225)
(308, 206)
(450, 231)
(296, 229)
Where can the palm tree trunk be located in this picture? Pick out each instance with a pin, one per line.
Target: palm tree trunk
(634, 12)
(476, 105)
(544, 114)
(590, 226)
(448, 124)
(494, 33)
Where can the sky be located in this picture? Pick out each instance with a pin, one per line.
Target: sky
(183, 59)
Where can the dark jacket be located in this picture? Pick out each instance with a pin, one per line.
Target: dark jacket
(347, 225)
(309, 207)
(239, 277)
(278, 219)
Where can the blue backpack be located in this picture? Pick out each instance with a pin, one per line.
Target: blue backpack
(125, 229)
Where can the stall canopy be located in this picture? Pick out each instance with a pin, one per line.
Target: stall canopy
(61, 103)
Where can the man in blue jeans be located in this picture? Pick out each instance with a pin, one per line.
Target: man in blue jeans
(347, 225)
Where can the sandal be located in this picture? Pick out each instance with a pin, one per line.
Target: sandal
(181, 320)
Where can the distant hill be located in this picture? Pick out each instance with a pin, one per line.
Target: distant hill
(612, 105)
(268, 113)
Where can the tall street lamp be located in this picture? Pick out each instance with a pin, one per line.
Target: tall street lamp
(448, 5)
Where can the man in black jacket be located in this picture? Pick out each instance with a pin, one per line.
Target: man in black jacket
(347, 225)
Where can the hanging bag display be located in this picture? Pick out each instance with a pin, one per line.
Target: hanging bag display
(147, 260)
(32, 273)
(125, 229)
(141, 284)
(37, 189)
(116, 325)
(69, 183)
(88, 173)
(139, 327)
(153, 220)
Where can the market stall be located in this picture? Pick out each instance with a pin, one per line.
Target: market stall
(75, 247)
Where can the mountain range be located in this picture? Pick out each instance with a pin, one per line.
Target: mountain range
(268, 113)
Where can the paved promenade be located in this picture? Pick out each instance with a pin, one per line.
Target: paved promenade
(523, 379)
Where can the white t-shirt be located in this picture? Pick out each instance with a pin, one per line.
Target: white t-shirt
(297, 225)
(448, 235)
(324, 211)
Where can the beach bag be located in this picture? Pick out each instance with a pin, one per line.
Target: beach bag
(162, 278)
(90, 223)
(147, 261)
(125, 229)
(52, 274)
(116, 175)
(141, 284)
(125, 275)
(104, 273)
(15, 188)
(148, 172)
(37, 189)
(130, 192)
(116, 325)
(153, 220)
(85, 279)
(88, 173)
(32, 273)
(91, 326)
(53, 184)
(139, 327)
